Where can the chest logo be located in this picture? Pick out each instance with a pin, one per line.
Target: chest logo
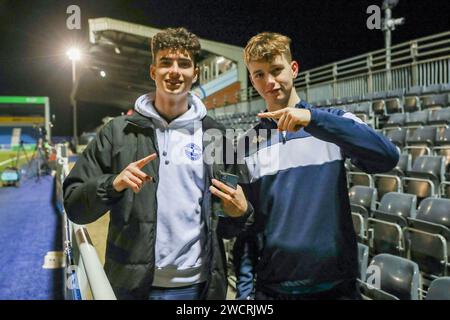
(192, 151)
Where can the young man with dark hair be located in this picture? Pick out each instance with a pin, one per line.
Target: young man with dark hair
(302, 245)
(168, 209)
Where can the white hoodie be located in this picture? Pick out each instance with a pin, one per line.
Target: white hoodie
(180, 231)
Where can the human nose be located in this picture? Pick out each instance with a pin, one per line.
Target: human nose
(174, 69)
(270, 81)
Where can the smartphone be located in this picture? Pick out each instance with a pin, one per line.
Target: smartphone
(229, 179)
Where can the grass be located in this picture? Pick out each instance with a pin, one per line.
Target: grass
(11, 155)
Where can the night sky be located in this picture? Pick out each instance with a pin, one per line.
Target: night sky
(34, 36)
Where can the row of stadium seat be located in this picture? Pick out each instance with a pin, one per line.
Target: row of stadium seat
(399, 279)
(396, 225)
(421, 92)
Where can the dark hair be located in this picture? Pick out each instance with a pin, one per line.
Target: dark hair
(177, 39)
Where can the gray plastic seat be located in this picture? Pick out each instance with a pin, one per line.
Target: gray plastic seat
(397, 136)
(363, 107)
(400, 277)
(391, 181)
(422, 135)
(362, 201)
(396, 120)
(434, 101)
(417, 118)
(445, 87)
(385, 228)
(411, 104)
(394, 106)
(419, 141)
(439, 116)
(379, 107)
(435, 210)
(425, 176)
(363, 196)
(439, 289)
(399, 204)
(429, 236)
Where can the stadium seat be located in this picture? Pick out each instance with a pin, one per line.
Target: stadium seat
(362, 110)
(445, 88)
(356, 176)
(385, 234)
(396, 135)
(362, 202)
(379, 107)
(369, 292)
(394, 106)
(439, 289)
(434, 101)
(363, 196)
(439, 117)
(400, 277)
(420, 142)
(411, 104)
(428, 235)
(417, 118)
(396, 120)
(391, 181)
(412, 101)
(425, 176)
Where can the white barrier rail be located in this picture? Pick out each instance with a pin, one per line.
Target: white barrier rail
(84, 271)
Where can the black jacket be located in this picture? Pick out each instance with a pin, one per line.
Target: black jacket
(130, 251)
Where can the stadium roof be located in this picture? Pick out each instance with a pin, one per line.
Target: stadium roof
(122, 51)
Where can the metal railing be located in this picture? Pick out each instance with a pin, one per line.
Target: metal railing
(84, 278)
(419, 62)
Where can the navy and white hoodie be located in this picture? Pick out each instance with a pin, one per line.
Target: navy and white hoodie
(180, 232)
(299, 192)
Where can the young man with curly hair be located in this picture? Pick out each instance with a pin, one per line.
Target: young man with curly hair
(168, 209)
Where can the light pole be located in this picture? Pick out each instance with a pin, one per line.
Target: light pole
(389, 25)
(74, 55)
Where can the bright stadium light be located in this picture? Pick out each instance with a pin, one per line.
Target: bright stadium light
(74, 54)
(103, 74)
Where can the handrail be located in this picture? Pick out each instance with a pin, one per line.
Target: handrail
(98, 281)
(83, 267)
(406, 57)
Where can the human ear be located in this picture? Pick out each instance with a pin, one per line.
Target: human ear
(294, 68)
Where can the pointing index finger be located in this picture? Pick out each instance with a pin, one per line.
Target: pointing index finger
(273, 115)
(141, 163)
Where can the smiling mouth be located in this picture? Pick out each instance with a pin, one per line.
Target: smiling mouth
(173, 83)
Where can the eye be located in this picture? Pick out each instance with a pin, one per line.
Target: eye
(165, 63)
(276, 71)
(258, 75)
(185, 64)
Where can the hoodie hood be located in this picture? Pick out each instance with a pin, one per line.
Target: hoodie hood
(196, 112)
